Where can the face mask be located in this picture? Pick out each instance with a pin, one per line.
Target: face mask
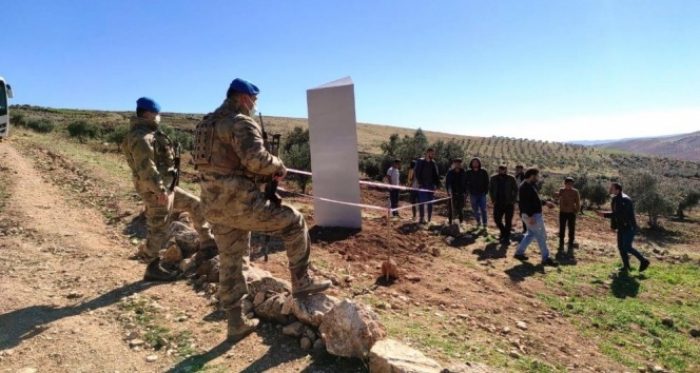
(253, 110)
(612, 195)
(157, 119)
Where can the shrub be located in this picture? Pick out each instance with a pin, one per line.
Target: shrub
(41, 125)
(82, 130)
(18, 120)
(118, 135)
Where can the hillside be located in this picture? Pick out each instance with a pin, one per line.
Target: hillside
(556, 158)
(686, 147)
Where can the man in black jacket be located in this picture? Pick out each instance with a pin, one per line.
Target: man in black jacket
(478, 187)
(503, 190)
(428, 177)
(520, 177)
(456, 189)
(623, 219)
(531, 212)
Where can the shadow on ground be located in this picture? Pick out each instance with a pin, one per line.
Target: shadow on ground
(625, 286)
(331, 234)
(282, 350)
(492, 251)
(26, 323)
(523, 270)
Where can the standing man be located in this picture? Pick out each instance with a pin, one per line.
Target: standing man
(478, 187)
(569, 205)
(428, 177)
(623, 219)
(234, 164)
(456, 185)
(412, 183)
(531, 213)
(520, 177)
(503, 190)
(152, 158)
(392, 177)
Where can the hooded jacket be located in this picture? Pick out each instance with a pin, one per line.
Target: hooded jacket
(477, 180)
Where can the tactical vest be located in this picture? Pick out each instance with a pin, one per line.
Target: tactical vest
(213, 147)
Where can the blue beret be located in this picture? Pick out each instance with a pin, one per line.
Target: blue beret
(244, 86)
(147, 104)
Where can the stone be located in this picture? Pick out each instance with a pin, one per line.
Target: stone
(305, 343)
(351, 329)
(295, 329)
(319, 345)
(668, 322)
(262, 281)
(506, 330)
(390, 356)
(695, 333)
(151, 358)
(521, 325)
(259, 298)
(172, 254)
(27, 370)
(470, 368)
(74, 295)
(287, 307)
(656, 342)
(657, 369)
(514, 354)
(309, 333)
(311, 309)
(451, 230)
(210, 268)
(390, 270)
(272, 307)
(186, 264)
(136, 342)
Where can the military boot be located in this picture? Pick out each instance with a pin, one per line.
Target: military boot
(239, 326)
(156, 272)
(303, 284)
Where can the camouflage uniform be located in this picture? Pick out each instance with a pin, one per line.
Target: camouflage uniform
(234, 203)
(150, 155)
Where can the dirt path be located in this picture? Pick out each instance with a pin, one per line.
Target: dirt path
(57, 273)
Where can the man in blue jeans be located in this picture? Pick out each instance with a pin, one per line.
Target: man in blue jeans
(623, 219)
(428, 177)
(531, 212)
(478, 188)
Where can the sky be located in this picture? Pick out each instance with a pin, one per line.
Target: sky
(541, 69)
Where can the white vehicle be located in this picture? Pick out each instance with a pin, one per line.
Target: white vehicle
(5, 93)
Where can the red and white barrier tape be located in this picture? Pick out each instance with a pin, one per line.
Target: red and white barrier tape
(362, 205)
(371, 183)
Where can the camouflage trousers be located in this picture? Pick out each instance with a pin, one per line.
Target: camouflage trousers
(158, 219)
(235, 206)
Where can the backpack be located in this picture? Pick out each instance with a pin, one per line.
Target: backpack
(203, 140)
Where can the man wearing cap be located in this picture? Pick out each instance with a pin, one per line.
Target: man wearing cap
(234, 163)
(569, 205)
(456, 184)
(151, 157)
(503, 190)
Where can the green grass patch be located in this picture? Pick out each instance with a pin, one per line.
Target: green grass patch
(625, 314)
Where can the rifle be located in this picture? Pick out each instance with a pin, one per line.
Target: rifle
(271, 186)
(176, 172)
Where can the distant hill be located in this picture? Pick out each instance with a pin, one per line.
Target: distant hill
(553, 157)
(686, 146)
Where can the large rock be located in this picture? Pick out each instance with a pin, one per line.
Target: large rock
(262, 281)
(271, 309)
(389, 356)
(351, 329)
(311, 309)
(470, 368)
